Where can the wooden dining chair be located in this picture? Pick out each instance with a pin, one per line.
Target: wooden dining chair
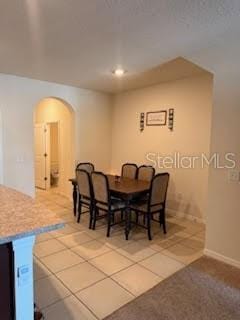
(129, 170)
(145, 173)
(87, 166)
(85, 191)
(103, 202)
(155, 204)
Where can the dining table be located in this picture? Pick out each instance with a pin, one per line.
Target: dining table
(122, 188)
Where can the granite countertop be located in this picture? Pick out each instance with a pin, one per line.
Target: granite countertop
(22, 216)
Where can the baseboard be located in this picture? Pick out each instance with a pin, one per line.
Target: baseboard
(185, 215)
(220, 257)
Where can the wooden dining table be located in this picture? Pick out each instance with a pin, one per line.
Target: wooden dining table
(125, 189)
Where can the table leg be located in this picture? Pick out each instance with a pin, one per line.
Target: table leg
(74, 199)
(127, 222)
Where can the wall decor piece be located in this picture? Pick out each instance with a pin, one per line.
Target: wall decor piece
(170, 119)
(156, 118)
(142, 117)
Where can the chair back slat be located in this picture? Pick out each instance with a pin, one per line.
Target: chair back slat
(146, 173)
(84, 183)
(87, 166)
(100, 187)
(129, 170)
(159, 188)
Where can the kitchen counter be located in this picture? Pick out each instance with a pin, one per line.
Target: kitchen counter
(21, 219)
(22, 216)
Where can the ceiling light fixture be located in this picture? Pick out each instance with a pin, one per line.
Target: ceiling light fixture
(119, 72)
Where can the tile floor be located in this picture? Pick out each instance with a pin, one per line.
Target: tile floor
(81, 274)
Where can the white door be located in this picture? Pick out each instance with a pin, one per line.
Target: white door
(42, 168)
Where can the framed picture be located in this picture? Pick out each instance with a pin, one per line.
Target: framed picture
(156, 118)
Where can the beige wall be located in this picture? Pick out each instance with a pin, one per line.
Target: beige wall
(18, 100)
(53, 110)
(192, 100)
(223, 218)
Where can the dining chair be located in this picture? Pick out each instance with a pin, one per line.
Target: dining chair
(155, 203)
(85, 194)
(104, 202)
(145, 173)
(88, 166)
(129, 170)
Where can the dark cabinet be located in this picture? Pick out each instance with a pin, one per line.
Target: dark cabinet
(6, 282)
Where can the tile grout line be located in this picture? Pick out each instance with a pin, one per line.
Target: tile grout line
(116, 250)
(71, 292)
(111, 250)
(71, 295)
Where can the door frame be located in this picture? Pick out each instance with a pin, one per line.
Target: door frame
(49, 152)
(45, 138)
(47, 158)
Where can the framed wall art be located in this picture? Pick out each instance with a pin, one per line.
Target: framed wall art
(156, 118)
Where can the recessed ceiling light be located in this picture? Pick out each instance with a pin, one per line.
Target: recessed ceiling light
(119, 72)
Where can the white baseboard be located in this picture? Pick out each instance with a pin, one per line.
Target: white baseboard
(220, 257)
(185, 215)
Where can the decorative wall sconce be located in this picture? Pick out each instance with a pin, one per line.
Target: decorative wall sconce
(170, 119)
(142, 118)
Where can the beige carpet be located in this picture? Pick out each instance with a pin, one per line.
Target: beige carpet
(205, 290)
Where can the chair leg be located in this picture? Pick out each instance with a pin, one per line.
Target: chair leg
(79, 210)
(91, 209)
(160, 219)
(149, 226)
(164, 221)
(95, 213)
(109, 224)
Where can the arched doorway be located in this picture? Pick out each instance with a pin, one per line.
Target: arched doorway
(54, 145)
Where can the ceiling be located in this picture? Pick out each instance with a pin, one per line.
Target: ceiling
(79, 42)
(172, 70)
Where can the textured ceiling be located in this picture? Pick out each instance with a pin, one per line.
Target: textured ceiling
(79, 42)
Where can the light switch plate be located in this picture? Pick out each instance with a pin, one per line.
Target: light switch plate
(23, 275)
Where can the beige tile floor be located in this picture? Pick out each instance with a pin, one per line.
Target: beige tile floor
(81, 274)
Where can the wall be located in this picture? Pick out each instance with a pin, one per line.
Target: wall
(54, 110)
(223, 218)
(18, 99)
(192, 100)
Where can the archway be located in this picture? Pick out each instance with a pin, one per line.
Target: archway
(54, 132)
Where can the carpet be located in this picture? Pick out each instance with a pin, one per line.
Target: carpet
(205, 290)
